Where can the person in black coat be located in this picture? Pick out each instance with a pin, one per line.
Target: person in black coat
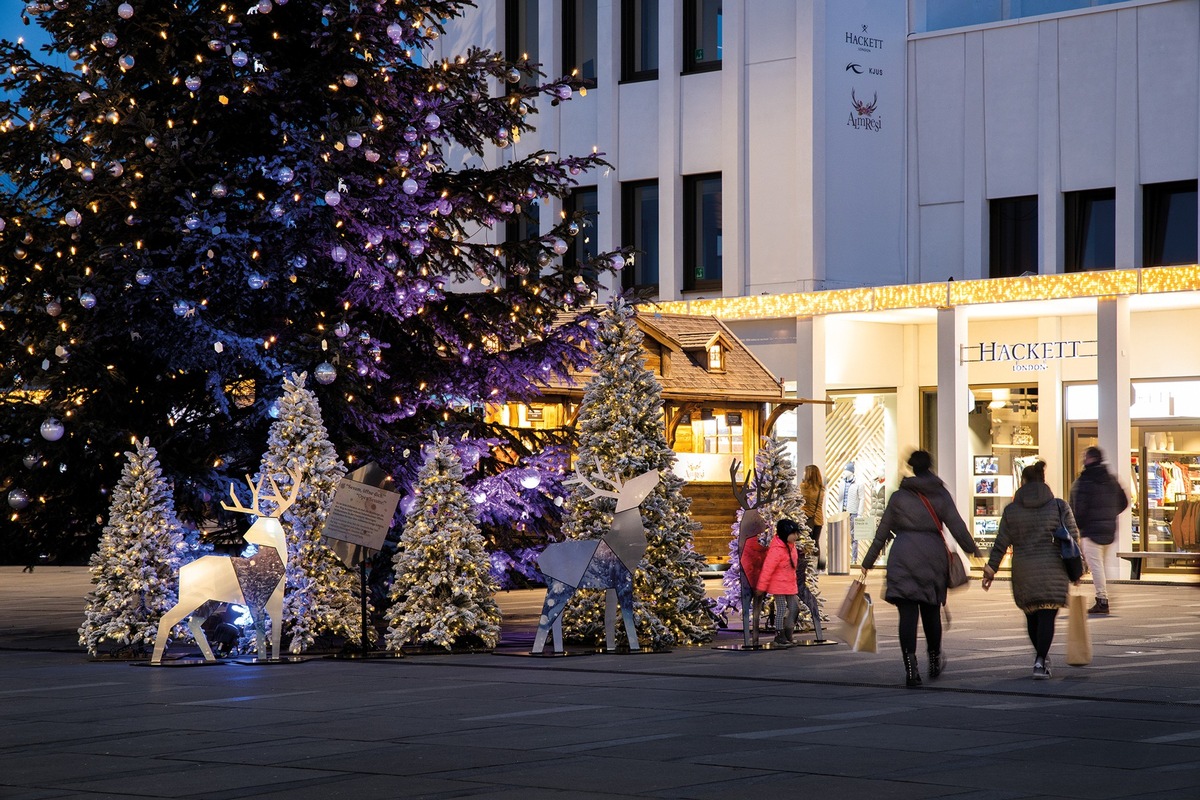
(1097, 500)
(918, 563)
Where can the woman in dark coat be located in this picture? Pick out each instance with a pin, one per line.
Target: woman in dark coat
(1039, 580)
(918, 563)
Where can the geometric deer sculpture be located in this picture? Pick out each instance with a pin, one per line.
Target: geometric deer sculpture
(751, 552)
(256, 582)
(606, 563)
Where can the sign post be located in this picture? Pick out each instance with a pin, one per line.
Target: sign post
(358, 521)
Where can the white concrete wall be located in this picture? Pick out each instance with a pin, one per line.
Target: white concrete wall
(1102, 98)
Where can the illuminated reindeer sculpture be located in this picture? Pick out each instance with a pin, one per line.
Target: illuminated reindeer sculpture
(605, 563)
(751, 552)
(256, 582)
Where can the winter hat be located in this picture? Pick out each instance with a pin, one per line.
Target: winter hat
(786, 526)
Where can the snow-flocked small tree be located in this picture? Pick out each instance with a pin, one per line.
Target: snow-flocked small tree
(321, 596)
(443, 591)
(621, 430)
(135, 570)
(775, 478)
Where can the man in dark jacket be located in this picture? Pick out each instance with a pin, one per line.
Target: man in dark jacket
(1096, 501)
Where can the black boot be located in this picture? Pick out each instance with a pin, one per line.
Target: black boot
(937, 663)
(912, 674)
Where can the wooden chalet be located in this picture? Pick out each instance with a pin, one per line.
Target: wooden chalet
(718, 401)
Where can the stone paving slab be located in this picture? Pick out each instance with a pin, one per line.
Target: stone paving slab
(693, 723)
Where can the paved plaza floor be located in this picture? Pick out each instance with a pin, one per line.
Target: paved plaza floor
(698, 722)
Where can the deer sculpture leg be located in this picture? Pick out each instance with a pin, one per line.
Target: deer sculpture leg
(624, 595)
(169, 620)
(195, 625)
(557, 594)
(275, 613)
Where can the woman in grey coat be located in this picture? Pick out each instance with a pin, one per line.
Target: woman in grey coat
(1039, 580)
(918, 563)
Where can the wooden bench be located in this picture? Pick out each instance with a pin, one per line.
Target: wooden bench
(1137, 559)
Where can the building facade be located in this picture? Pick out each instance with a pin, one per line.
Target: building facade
(972, 225)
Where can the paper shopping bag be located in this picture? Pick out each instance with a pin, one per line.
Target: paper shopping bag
(1079, 641)
(853, 604)
(862, 639)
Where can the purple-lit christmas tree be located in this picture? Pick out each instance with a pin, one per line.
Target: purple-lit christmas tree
(215, 197)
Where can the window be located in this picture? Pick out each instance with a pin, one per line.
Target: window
(639, 40)
(1012, 247)
(524, 229)
(639, 230)
(579, 38)
(701, 35)
(521, 33)
(584, 205)
(702, 231)
(1169, 223)
(1091, 230)
(716, 358)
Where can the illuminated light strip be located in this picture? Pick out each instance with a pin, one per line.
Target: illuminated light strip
(1109, 283)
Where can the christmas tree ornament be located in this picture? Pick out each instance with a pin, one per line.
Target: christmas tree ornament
(332, 197)
(87, 174)
(239, 58)
(325, 373)
(73, 218)
(115, 169)
(108, 39)
(513, 75)
(410, 136)
(182, 308)
(151, 142)
(51, 429)
(219, 190)
(416, 247)
(285, 175)
(558, 245)
(191, 222)
(433, 121)
(350, 80)
(255, 281)
(143, 277)
(265, 6)
(276, 211)
(54, 308)
(573, 228)
(124, 11)
(18, 498)
(126, 62)
(341, 330)
(87, 299)
(339, 254)
(31, 460)
(354, 139)
(395, 32)
(192, 82)
(216, 45)
(410, 186)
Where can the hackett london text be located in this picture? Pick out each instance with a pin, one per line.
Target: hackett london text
(1026, 351)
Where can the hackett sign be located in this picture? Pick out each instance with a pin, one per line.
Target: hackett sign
(1026, 356)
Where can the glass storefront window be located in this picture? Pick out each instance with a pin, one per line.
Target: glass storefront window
(1003, 440)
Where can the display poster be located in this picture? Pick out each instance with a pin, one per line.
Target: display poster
(361, 514)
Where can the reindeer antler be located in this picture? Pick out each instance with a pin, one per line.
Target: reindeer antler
(740, 493)
(597, 491)
(256, 489)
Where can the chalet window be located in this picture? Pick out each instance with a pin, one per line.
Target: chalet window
(716, 358)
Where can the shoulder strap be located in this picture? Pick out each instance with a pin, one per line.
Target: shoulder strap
(929, 507)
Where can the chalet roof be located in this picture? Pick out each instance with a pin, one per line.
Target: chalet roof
(685, 339)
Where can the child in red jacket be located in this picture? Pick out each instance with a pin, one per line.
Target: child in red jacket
(778, 578)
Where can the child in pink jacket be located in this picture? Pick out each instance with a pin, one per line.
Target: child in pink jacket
(778, 578)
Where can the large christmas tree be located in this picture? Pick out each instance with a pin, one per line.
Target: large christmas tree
(135, 570)
(321, 593)
(216, 196)
(621, 430)
(442, 592)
